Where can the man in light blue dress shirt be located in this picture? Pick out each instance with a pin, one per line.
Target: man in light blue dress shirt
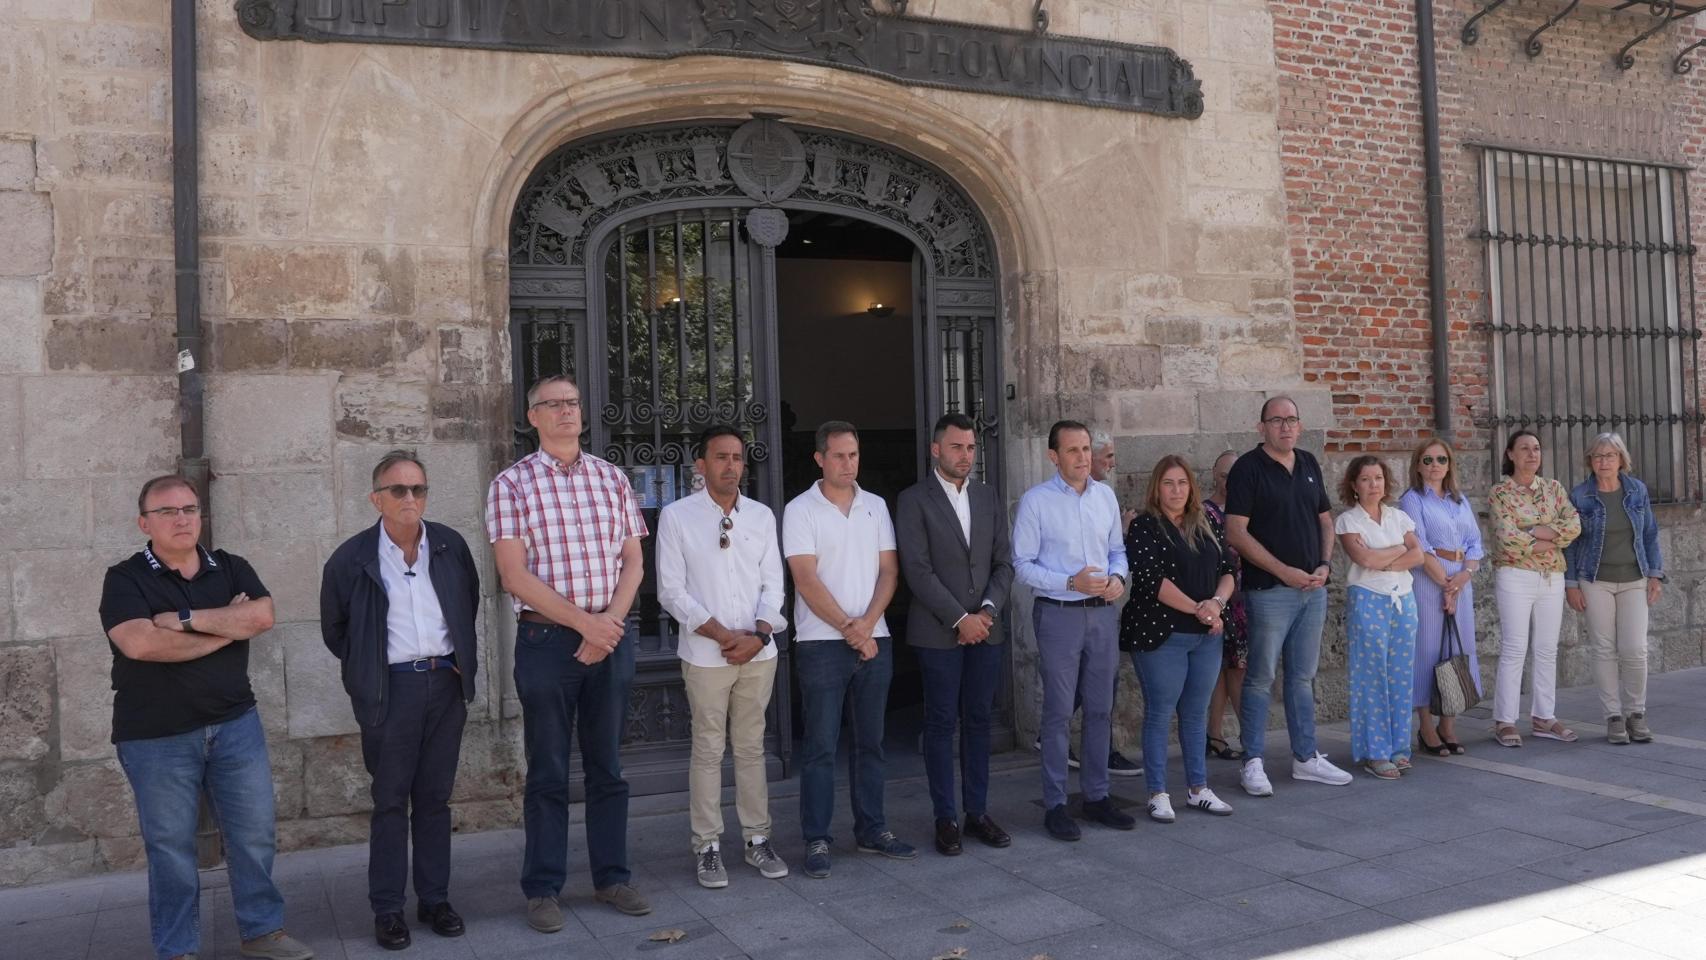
(1068, 547)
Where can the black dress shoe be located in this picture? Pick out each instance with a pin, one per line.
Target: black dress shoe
(986, 829)
(390, 932)
(1102, 811)
(446, 922)
(947, 838)
(1060, 824)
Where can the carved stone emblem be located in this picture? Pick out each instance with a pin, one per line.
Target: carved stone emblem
(766, 160)
(767, 226)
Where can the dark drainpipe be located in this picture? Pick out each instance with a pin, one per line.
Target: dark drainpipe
(186, 250)
(1429, 80)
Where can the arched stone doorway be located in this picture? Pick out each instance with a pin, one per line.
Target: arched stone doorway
(643, 263)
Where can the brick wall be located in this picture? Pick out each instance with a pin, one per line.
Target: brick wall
(1351, 152)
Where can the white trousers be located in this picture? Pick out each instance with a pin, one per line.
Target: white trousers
(1531, 613)
(1617, 633)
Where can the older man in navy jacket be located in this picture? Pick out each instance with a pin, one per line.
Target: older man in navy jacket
(397, 606)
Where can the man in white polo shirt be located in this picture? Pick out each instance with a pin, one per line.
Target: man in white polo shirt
(841, 550)
(720, 577)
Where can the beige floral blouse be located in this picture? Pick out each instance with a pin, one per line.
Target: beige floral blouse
(1517, 508)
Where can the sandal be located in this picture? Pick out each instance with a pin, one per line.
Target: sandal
(1402, 763)
(1441, 749)
(1506, 735)
(1383, 769)
(1554, 730)
(1224, 751)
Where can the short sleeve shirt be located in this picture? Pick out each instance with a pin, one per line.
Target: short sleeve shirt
(573, 519)
(1283, 507)
(1388, 531)
(848, 550)
(165, 699)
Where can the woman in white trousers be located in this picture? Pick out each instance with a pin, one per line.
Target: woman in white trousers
(1533, 521)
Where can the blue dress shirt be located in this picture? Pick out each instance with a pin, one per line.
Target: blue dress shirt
(1059, 531)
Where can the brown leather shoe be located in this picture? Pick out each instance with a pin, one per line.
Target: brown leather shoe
(984, 828)
(947, 838)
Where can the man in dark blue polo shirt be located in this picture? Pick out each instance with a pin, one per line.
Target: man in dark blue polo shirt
(180, 617)
(1279, 519)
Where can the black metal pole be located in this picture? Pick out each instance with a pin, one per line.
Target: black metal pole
(1437, 312)
(186, 244)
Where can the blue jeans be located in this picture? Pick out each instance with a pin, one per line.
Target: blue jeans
(1178, 676)
(168, 774)
(832, 677)
(556, 690)
(1284, 624)
(959, 687)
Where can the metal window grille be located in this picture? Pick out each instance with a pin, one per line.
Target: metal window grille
(1590, 280)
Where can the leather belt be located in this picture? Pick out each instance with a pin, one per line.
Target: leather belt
(1455, 556)
(446, 662)
(534, 616)
(1086, 602)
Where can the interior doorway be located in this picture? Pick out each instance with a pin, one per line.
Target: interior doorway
(847, 345)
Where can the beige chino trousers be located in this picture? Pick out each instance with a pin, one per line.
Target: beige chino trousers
(728, 705)
(1617, 635)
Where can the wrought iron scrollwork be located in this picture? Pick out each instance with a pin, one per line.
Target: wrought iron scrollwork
(1663, 12)
(1039, 18)
(1532, 46)
(1472, 29)
(1683, 64)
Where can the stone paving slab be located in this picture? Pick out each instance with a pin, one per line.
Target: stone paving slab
(1582, 851)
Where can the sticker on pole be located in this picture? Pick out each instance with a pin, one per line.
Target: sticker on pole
(186, 361)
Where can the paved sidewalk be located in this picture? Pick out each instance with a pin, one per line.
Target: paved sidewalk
(1553, 851)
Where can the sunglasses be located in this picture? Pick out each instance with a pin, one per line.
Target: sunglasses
(725, 525)
(400, 490)
(1442, 460)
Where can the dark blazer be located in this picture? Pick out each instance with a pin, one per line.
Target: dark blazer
(947, 576)
(353, 608)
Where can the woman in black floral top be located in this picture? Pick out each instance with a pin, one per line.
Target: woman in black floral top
(1181, 581)
(1235, 639)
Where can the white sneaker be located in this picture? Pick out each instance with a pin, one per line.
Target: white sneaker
(1161, 808)
(1206, 801)
(1319, 769)
(1255, 779)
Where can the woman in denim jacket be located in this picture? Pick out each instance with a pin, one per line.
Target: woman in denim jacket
(1614, 574)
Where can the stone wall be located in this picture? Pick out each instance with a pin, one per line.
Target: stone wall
(355, 202)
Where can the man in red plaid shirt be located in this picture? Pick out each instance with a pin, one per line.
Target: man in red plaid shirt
(565, 528)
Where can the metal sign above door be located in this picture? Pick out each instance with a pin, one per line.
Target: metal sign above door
(844, 34)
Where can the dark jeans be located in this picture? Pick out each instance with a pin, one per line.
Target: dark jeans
(959, 685)
(832, 677)
(555, 691)
(412, 759)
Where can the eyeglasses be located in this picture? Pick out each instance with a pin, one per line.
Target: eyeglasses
(1442, 460)
(725, 525)
(1608, 455)
(401, 490)
(172, 513)
(557, 406)
(1283, 421)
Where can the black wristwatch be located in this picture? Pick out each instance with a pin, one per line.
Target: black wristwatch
(184, 620)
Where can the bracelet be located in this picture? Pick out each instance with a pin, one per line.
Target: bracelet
(1219, 601)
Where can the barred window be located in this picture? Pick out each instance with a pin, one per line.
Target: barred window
(1590, 280)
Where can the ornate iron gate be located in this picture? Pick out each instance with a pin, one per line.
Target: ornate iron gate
(643, 264)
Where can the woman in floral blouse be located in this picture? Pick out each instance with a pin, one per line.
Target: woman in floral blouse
(1533, 521)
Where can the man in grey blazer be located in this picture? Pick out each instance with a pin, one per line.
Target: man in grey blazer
(956, 556)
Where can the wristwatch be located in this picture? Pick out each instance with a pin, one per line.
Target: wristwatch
(184, 620)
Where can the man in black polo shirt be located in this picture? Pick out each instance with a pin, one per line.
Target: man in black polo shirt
(1279, 519)
(179, 618)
